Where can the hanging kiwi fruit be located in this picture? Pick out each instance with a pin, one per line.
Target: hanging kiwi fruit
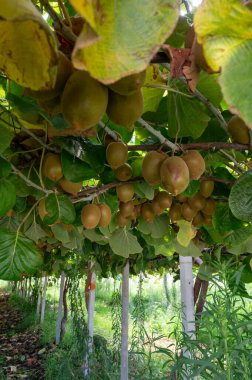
(124, 172)
(70, 187)
(151, 167)
(174, 175)
(51, 167)
(105, 218)
(195, 162)
(125, 192)
(116, 154)
(90, 216)
(129, 84)
(238, 130)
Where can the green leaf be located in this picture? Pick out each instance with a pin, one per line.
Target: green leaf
(60, 233)
(124, 243)
(74, 169)
(6, 137)
(35, 232)
(186, 232)
(152, 96)
(240, 199)
(190, 250)
(238, 236)
(223, 219)
(115, 33)
(209, 87)
(94, 236)
(191, 189)
(18, 256)
(59, 207)
(185, 116)
(5, 168)
(224, 29)
(157, 229)
(7, 196)
(59, 122)
(144, 190)
(23, 29)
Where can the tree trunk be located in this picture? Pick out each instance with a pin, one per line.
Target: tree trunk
(43, 303)
(65, 309)
(187, 301)
(166, 289)
(90, 287)
(125, 323)
(39, 298)
(59, 320)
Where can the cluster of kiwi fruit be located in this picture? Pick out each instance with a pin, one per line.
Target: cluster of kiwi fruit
(198, 209)
(173, 173)
(84, 101)
(95, 215)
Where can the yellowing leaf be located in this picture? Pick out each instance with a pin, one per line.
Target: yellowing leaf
(152, 96)
(125, 35)
(28, 52)
(225, 30)
(186, 232)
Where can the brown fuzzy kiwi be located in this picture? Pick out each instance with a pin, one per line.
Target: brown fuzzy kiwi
(197, 201)
(125, 110)
(208, 220)
(209, 208)
(70, 187)
(238, 130)
(164, 199)
(90, 216)
(125, 192)
(188, 212)
(175, 212)
(151, 167)
(126, 209)
(121, 220)
(124, 172)
(90, 101)
(195, 162)
(42, 209)
(206, 188)
(198, 220)
(105, 215)
(174, 175)
(116, 154)
(129, 85)
(156, 207)
(51, 167)
(181, 198)
(147, 212)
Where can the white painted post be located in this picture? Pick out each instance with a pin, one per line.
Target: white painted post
(42, 317)
(39, 298)
(90, 326)
(58, 326)
(125, 323)
(187, 301)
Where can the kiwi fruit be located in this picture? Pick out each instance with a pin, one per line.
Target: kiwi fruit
(164, 199)
(208, 220)
(126, 209)
(181, 198)
(238, 130)
(174, 175)
(198, 219)
(130, 84)
(188, 212)
(109, 139)
(42, 209)
(175, 212)
(121, 220)
(90, 101)
(151, 167)
(206, 188)
(70, 187)
(64, 71)
(51, 167)
(197, 201)
(209, 208)
(147, 212)
(156, 207)
(90, 216)
(125, 192)
(195, 163)
(125, 110)
(124, 172)
(116, 154)
(105, 215)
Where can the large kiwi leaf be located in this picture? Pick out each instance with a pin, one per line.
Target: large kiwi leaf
(240, 199)
(18, 256)
(28, 50)
(128, 33)
(224, 28)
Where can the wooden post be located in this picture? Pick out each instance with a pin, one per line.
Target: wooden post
(91, 308)
(58, 326)
(42, 317)
(125, 323)
(187, 301)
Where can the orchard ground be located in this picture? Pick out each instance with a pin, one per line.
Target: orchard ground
(162, 335)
